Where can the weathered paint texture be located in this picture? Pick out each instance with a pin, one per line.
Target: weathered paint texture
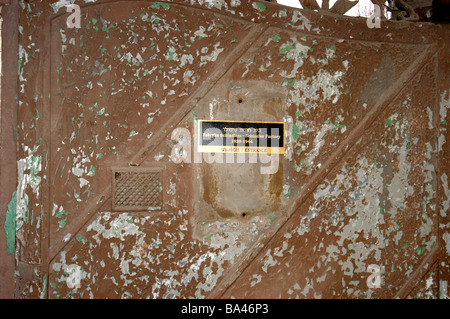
(363, 180)
(10, 225)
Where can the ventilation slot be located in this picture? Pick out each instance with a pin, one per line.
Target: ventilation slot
(136, 190)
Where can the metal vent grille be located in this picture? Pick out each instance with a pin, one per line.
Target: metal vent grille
(136, 189)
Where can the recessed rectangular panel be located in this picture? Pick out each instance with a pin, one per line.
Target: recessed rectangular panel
(136, 189)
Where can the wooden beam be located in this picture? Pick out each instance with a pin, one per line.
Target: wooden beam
(8, 118)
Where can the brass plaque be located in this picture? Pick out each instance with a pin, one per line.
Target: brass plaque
(241, 137)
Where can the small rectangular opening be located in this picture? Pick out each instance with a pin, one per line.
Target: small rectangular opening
(136, 189)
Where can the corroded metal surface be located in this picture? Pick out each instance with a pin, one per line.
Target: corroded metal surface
(366, 211)
(363, 180)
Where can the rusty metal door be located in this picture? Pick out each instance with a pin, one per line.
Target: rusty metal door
(115, 201)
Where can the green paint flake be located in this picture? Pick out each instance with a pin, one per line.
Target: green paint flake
(133, 133)
(259, 6)
(91, 171)
(389, 122)
(24, 214)
(101, 112)
(99, 155)
(276, 38)
(19, 66)
(61, 214)
(290, 83)
(287, 49)
(209, 237)
(419, 250)
(81, 239)
(288, 193)
(377, 165)
(35, 163)
(170, 55)
(337, 126)
(10, 225)
(94, 106)
(38, 222)
(94, 21)
(295, 131)
(158, 5)
(62, 223)
(272, 217)
(44, 287)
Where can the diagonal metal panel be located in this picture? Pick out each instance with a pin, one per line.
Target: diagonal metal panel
(334, 159)
(311, 229)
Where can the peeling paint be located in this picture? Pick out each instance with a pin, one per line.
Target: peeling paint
(10, 225)
(153, 61)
